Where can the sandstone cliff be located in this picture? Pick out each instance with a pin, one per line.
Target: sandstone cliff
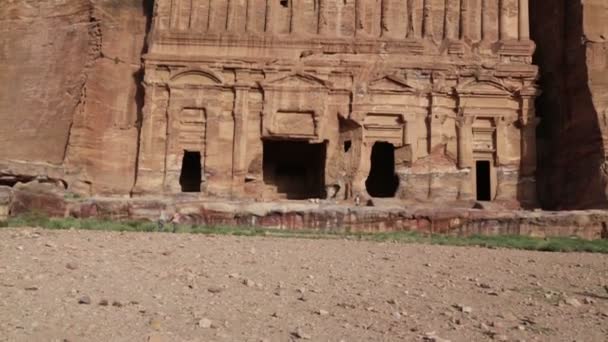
(573, 55)
(69, 97)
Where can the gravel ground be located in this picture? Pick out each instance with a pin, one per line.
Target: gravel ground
(106, 286)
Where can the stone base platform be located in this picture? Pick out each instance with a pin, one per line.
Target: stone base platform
(384, 216)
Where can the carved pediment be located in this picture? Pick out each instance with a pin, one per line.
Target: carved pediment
(298, 80)
(196, 77)
(484, 88)
(391, 83)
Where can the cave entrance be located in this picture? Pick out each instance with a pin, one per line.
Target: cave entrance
(483, 180)
(191, 174)
(382, 180)
(295, 168)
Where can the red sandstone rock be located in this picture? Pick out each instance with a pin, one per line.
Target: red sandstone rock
(343, 87)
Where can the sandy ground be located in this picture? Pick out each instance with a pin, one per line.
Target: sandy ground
(103, 286)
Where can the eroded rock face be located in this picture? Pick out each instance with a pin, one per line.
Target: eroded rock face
(70, 98)
(420, 100)
(573, 56)
(103, 143)
(45, 55)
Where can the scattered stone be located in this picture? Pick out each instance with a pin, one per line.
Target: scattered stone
(463, 308)
(432, 337)
(155, 324)
(215, 289)
(71, 266)
(117, 304)
(299, 333)
(103, 302)
(509, 317)
(205, 323)
(248, 282)
(234, 275)
(588, 300)
(31, 288)
(50, 245)
(572, 302)
(396, 315)
(84, 300)
(323, 312)
(484, 327)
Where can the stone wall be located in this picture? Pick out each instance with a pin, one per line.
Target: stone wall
(573, 55)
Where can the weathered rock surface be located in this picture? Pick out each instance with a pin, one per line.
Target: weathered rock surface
(70, 96)
(72, 99)
(572, 52)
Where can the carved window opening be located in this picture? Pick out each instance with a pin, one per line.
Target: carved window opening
(284, 3)
(382, 180)
(295, 168)
(347, 145)
(483, 178)
(191, 174)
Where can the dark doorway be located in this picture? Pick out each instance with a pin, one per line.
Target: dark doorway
(484, 185)
(190, 178)
(382, 180)
(297, 169)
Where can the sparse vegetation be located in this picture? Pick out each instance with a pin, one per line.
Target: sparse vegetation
(552, 244)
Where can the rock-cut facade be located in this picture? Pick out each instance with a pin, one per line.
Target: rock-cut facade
(420, 100)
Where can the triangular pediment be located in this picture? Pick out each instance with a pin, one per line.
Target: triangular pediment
(297, 81)
(391, 83)
(484, 88)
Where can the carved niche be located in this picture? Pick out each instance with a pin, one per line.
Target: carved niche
(390, 105)
(294, 106)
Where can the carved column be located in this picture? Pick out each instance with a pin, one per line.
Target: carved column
(501, 139)
(236, 21)
(268, 27)
(152, 153)
(414, 20)
(508, 19)
(465, 20)
(528, 122)
(489, 20)
(360, 17)
(324, 17)
(174, 16)
(386, 24)
(464, 127)
(452, 20)
(427, 16)
(524, 20)
(239, 152)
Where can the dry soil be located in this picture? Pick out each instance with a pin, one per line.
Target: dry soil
(106, 286)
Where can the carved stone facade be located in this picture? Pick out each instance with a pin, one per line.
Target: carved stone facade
(422, 100)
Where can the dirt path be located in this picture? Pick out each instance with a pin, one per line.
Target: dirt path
(178, 287)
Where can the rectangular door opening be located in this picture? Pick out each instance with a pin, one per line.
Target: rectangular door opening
(484, 184)
(295, 168)
(382, 180)
(191, 174)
